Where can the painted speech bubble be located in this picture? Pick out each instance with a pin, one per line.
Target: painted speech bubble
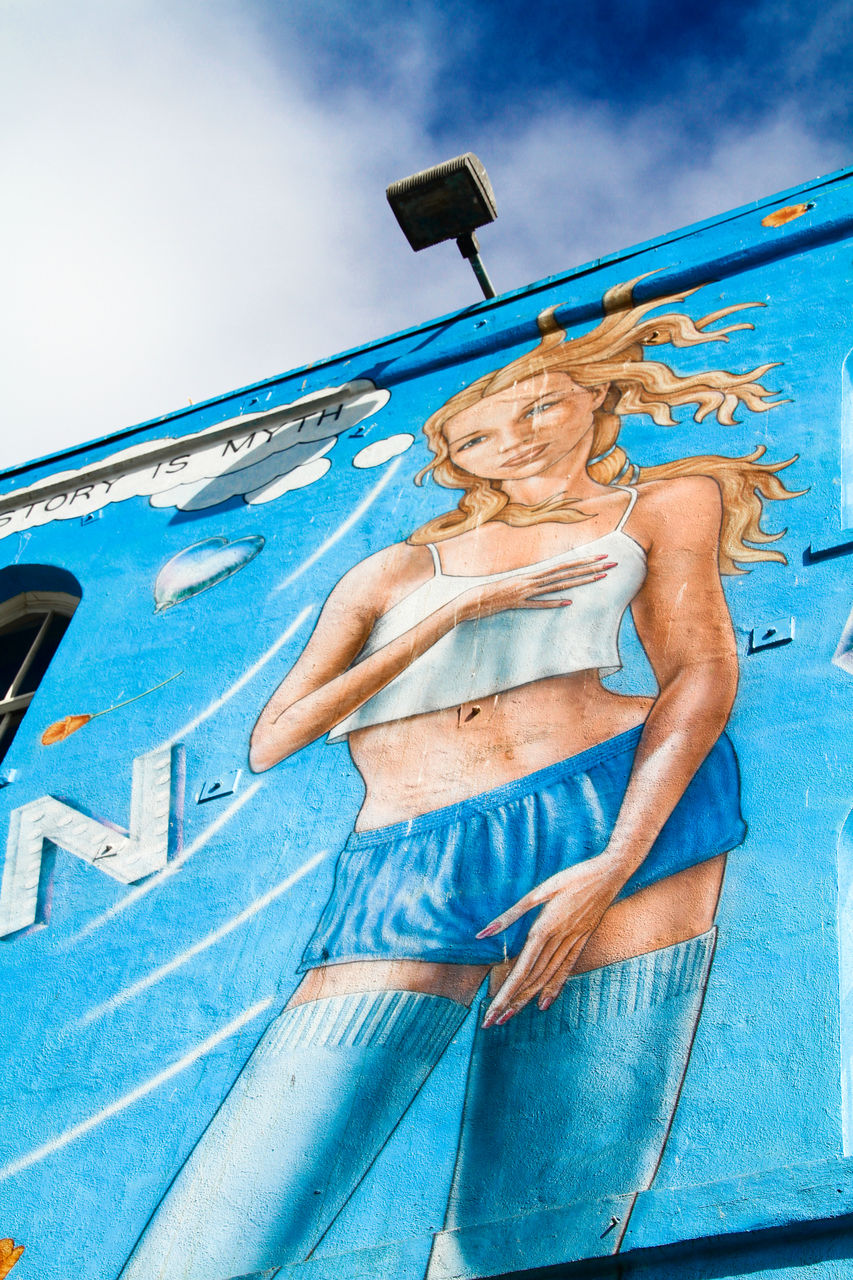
(272, 466)
(201, 566)
(245, 454)
(298, 478)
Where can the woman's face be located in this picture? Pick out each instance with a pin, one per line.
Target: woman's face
(526, 430)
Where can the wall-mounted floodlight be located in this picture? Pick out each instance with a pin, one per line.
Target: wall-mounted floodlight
(447, 203)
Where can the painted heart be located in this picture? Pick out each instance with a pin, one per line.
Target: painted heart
(201, 566)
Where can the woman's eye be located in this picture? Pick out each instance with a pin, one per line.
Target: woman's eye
(540, 408)
(469, 443)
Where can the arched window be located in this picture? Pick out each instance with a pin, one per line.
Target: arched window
(32, 624)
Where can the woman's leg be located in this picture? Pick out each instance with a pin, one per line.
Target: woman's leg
(573, 1106)
(458, 982)
(316, 1102)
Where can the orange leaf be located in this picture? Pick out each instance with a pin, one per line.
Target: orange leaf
(58, 732)
(779, 217)
(9, 1255)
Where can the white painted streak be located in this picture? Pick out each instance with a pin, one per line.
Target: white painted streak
(154, 882)
(344, 528)
(157, 975)
(141, 1091)
(242, 680)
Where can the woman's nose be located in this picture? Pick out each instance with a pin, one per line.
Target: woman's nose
(512, 440)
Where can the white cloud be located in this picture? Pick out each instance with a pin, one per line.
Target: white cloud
(194, 207)
(373, 455)
(186, 217)
(579, 181)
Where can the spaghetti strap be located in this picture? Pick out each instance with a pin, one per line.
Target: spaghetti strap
(433, 550)
(628, 488)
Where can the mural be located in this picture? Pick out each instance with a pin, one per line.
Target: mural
(511, 938)
(522, 825)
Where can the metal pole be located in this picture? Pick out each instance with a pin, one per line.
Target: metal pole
(470, 249)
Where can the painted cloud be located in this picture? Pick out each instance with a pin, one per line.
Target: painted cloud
(257, 457)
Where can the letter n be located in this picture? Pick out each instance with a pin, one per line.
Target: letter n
(124, 857)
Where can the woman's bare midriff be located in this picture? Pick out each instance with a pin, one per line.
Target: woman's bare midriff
(425, 762)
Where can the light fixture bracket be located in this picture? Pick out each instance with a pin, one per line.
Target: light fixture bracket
(447, 202)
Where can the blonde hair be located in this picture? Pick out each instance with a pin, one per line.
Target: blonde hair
(614, 353)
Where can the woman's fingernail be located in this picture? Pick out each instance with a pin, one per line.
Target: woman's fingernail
(545, 1002)
(505, 1017)
(599, 576)
(489, 930)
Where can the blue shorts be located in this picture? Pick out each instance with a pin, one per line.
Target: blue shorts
(422, 889)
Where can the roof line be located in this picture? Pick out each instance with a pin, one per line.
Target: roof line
(548, 282)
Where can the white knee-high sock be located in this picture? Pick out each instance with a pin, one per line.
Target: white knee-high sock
(312, 1108)
(571, 1107)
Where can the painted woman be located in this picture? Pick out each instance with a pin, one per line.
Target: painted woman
(522, 824)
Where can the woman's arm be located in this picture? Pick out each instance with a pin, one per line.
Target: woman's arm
(323, 688)
(684, 625)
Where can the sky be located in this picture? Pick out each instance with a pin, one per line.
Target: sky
(194, 189)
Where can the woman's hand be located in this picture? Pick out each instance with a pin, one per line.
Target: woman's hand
(575, 900)
(327, 684)
(524, 590)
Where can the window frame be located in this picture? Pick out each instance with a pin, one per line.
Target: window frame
(27, 604)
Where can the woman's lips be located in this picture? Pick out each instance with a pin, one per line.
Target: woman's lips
(524, 456)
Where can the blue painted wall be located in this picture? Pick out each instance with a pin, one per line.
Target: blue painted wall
(129, 1011)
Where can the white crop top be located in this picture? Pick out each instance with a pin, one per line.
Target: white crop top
(484, 656)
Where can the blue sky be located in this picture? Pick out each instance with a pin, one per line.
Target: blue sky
(198, 185)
